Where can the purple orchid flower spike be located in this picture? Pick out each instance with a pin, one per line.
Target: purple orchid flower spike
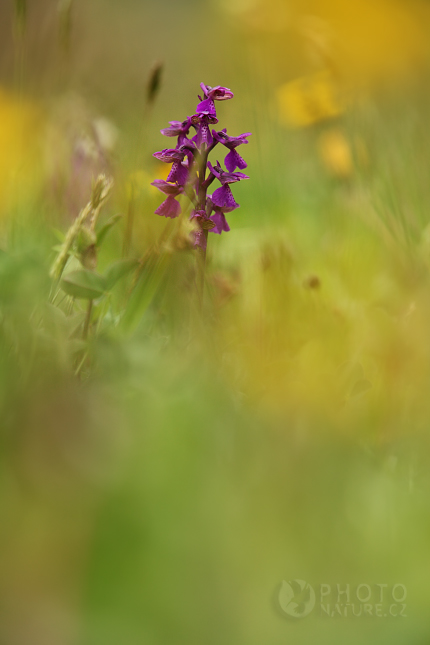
(192, 173)
(170, 207)
(233, 159)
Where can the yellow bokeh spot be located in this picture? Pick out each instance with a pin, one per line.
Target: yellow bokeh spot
(20, 150)
(139, 181)
(162, 171)
(367, 40)
(309, 100)
(335, 153)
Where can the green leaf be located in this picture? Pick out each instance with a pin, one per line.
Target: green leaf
(104, 230)
(84, 284)
(118, 270)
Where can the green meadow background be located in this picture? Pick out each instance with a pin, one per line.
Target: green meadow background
(159, 490)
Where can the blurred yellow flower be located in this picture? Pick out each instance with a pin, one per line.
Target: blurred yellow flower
(140, 181)
(369, 40)
(20, 152)
(161, 171)
(335, 153)
(310, 99)
(270, 15)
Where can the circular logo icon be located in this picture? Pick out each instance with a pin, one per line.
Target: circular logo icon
(296, 598)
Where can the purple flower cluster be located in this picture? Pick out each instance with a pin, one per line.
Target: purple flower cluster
(192, 173)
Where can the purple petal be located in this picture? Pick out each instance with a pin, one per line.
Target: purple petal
(168, 155)
(173, 130)
(242, 138)
(227, 177)
(203, 135)
(182, 174)
(177, 128)
(182, 139)
(188, 146)
(233, 160)
(194, 213)
(232, 177)
(166, 187)
(209, 205)
(202, 220)
(220, 223)
(205, 117)
(171, 177)
(207, 107)
(215, 171)
(178, 174)
(219, 93)
(204, 89)
(169, 208)
(223, 198)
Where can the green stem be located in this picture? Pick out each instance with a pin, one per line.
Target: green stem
(201, 266)
(201, 204)
(128, 233)
(87, 320)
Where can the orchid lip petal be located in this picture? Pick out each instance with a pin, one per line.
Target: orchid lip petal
(220, 223)
(169, 208)
(223, 198)
(233, 160)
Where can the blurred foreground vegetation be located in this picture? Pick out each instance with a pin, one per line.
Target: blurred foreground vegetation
(165, 468)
